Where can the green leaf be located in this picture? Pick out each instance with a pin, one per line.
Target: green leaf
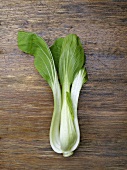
(36, 46)
(69, 102)
(56, 51)
(85, 76)
(72, 58)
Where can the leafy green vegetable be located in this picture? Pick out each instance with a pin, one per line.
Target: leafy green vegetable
(62, 66)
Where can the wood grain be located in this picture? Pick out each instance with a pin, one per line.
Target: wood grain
(26, 102)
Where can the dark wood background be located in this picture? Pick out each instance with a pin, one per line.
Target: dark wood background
(26, 102)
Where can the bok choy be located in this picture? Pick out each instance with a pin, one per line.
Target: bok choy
(62, 66)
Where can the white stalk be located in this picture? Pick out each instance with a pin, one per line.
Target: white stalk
(67, 128)
(55, 123)
(75, 91)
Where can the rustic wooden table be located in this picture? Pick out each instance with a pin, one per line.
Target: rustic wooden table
(26, 102)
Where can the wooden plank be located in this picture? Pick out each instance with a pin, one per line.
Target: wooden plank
(26, 102)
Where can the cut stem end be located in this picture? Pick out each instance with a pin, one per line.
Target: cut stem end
(67, 154)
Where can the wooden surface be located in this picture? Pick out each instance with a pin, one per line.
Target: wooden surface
(26, 102)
